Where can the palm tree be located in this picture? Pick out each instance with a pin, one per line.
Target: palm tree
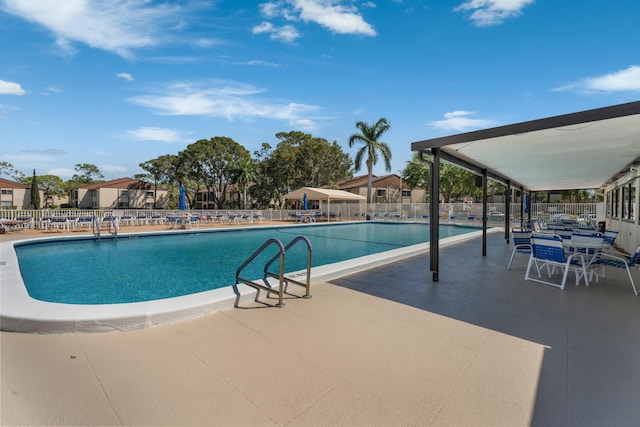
(371, 146)
(247, 172)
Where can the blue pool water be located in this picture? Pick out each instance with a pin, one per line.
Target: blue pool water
(148, 267)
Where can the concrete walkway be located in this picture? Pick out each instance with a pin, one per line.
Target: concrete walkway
(382, 347)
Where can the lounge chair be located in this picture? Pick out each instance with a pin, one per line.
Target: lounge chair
(127, 220)
(193, 221)
(60, 223)
(258, 218)
(548, 251)
(85, 222)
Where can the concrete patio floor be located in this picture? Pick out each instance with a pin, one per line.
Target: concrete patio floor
(383, 347)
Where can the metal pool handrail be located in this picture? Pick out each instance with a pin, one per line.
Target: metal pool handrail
(287, 280)
(258, 287)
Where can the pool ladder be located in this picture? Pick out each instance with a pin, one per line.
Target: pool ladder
(96, 226)
(283, 282)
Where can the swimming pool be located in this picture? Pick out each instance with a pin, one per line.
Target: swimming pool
(143, 268)
(189, 257)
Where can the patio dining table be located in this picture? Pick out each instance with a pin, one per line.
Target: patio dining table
(587, 249)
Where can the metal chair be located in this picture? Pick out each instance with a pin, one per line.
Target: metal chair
(521, 244)
(547, 250)
(617, 260)
(609, 239)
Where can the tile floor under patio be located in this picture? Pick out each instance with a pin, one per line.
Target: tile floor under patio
(383, 347)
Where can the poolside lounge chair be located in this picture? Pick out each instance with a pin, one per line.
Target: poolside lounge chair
(193, 221)
(521, 244)
(127, 220)
(85, 222)
(548, 251)
(60, 223)
(258, 218)
(15, 226)
(157, 219)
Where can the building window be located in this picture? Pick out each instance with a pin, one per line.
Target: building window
(123, 205)
(7, 191)
(632, 201)
(625, 202)
(124, 193)
(150, 194)
(628, 202)
(6, 204)
(381, 192)
(406, 193)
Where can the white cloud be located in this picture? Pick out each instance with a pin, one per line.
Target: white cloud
(269, 10)
(627, 80)
(64, 173)
(11, 88)
(331, 14)
(112, 170)
(460, 121)
(117, 26)
(285, 33)
(486, 13)
(7, 107)
(51, 89)
(125, 76)
(157, 134)
(261, 63)
(221, 98)
(337, 18)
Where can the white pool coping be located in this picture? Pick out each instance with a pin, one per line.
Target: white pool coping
(21, 313)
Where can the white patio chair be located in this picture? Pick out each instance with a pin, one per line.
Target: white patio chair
(609, 240)
(548, 251)
(521, 244)
(617, 260)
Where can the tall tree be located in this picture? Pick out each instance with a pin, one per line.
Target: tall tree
(300, 160)
(417, 174)
(6, 168)
(87, 173)
(35, 192)
(247, 173)
(155, 168)
(371, 145)
(455, 182)
(214, 162)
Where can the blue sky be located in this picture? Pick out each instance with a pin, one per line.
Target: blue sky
(115, 83)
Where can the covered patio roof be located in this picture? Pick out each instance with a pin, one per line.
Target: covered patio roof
(587, 149)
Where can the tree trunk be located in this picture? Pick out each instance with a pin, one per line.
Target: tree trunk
(369, 182)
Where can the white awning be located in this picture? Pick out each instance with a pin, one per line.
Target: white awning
(323, 194)
(588, 149)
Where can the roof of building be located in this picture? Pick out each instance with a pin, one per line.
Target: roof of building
(391, 180)
(122, 183)
(5, 183)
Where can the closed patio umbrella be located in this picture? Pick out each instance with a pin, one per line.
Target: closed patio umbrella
(183, 199)
(304, 202)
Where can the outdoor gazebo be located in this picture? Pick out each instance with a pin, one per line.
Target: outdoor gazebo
(323, 194)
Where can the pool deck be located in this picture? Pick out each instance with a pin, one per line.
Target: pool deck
(386, 346)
